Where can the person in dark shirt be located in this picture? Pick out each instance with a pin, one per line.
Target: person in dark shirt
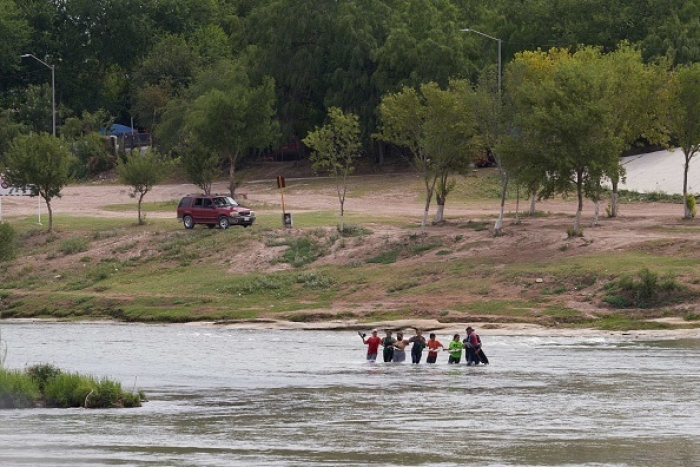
(472, 345)
(388, 344)
(419, 343)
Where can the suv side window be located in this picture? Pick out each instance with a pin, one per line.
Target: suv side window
(198, 202)
(185, 202)
(207, 203)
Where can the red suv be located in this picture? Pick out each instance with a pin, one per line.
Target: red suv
(213, 210)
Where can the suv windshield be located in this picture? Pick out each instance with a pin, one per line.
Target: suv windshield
(225, 201)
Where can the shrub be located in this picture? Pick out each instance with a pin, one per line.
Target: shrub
(386, 257)
(354, 230)
(571, 233)
(301, 252)
(7, 242)
(645, 289)
(74, 245)
(691, 202)
(315, 280)
(43, 373)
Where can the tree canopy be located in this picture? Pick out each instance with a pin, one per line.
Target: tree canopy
(42, 163)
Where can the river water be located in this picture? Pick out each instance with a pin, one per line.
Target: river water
(228, 397)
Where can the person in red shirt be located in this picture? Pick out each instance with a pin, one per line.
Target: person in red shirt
(372, 344)
(433, 346)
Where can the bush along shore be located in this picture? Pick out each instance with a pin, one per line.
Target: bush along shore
(44, 385)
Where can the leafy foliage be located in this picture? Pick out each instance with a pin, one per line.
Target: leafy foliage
(434, 126)
(142, 172)
(684, 119)
(40, 162)
(336, 146)
(644, 290)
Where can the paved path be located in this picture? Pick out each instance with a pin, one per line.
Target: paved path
(661, 171)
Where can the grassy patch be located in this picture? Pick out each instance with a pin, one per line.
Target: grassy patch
(46, 385)
(625, 323)
(160, 206)
(385, 257)
(299, 252)
(645, 289)
(74, 245)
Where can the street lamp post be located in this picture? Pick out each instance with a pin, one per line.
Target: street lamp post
(53, 88)
(499, 52)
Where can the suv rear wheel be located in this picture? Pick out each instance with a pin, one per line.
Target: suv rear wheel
(188, 222)
(224, 223)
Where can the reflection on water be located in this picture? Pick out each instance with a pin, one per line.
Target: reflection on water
(222, 397)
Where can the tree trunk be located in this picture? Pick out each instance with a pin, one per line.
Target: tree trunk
(141, 222)
(424, 220)
(380, 153)
(429, 191)
(686, 208)
(342, 212)
(48, 208)
(440, 200)
(533, 200)
(439, 213)
(579, 195)
(596, 213)
(613, 197)
(231, 174)
(517, 205)
(498, 227)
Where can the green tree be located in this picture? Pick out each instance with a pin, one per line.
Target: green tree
(234, 121)
(14, 34)
(492, 127)
(684, 119)
(42, 163)
(92, 156)
(200, 164)
(336, 145)
(35, 108)
(636, 92)
(436, 127)
(142, 172)
(564, 116)
(150, 101)
(9, 129)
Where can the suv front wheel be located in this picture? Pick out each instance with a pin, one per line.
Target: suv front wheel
(188, 222)
(224, 222)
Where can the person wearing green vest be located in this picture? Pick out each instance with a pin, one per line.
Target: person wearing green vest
(455, 349)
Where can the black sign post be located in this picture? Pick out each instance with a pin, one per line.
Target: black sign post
(286, 216)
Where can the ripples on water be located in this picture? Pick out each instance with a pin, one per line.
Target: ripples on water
(223, 397)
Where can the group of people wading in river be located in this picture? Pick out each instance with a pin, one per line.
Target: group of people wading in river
(394, 348)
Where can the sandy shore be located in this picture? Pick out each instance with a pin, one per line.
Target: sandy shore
(408, 326)
(485, 329)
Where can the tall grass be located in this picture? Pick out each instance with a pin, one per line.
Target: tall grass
(17, 390)
(46, 385)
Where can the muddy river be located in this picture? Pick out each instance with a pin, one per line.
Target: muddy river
(228, 397)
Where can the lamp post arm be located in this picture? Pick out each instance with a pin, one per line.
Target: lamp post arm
(499, 51)
(479, 33)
